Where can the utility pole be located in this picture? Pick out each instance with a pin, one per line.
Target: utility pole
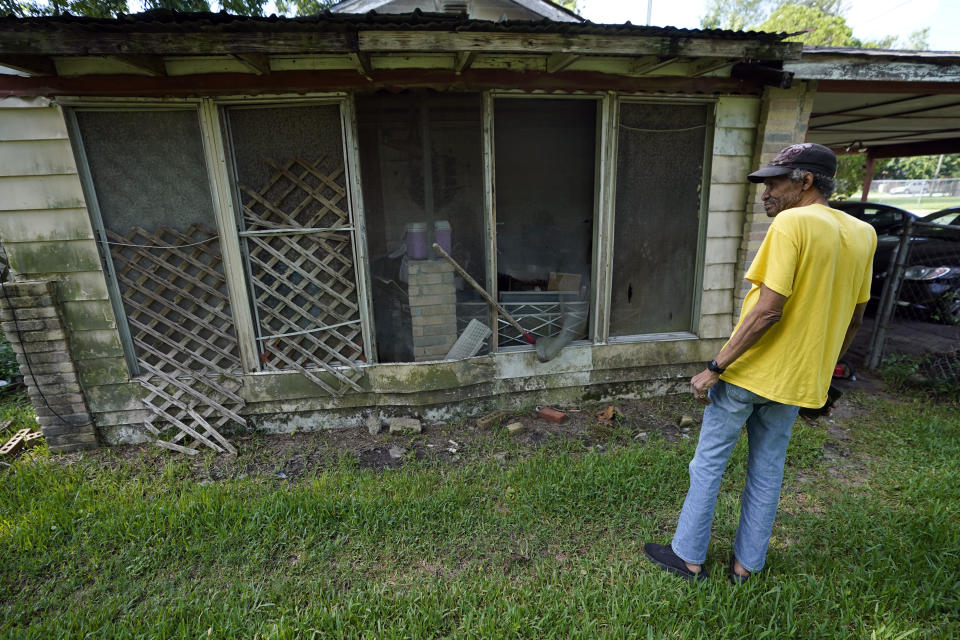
(650, 11)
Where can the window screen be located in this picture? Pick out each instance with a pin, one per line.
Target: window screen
(151, 187)
(147, 168)
(297, 237)
(422, 167)
(545, 166)
(660, 156)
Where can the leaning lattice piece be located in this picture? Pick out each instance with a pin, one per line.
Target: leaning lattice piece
(175, 296)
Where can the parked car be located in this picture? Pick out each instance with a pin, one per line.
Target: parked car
(931, 281)
(949, 216)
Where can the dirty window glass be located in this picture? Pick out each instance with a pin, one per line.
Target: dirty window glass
(660, 155)
(147, 168)
(545, 166)
(422, 167)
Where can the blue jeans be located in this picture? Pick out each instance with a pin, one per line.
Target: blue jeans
(768, 433)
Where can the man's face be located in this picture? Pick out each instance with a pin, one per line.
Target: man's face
(780, 193)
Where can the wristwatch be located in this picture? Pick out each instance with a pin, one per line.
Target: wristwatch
(713, 366)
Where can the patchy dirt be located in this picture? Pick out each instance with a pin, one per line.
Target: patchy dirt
(293, 457)
(290, 457)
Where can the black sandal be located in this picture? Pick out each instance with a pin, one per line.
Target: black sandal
(663, 556)
(736, 578)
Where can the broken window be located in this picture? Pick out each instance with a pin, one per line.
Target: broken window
(660, 167)
(422, 169)
(545, 167)
(297, 237)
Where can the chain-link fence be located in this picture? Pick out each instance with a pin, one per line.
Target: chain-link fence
(936, 187)
(917, 301)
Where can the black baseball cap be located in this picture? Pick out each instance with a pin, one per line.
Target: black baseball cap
(808, 156)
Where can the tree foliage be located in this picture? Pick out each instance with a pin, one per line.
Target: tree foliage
(821, 21)
(303, 7)
(741, 14)
(852, 170)
(819, 28)
(921, 167)
(91, 8)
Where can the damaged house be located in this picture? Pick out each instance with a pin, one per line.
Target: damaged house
(214, 220)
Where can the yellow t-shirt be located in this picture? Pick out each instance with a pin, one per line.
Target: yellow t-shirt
(821, 259)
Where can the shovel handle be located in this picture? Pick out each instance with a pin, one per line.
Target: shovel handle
(483, 292)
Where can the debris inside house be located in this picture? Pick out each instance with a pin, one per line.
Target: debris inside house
(470, 342)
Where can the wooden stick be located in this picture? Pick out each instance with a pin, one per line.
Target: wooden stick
(483, 292)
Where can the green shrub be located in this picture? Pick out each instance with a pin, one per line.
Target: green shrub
(9, 368)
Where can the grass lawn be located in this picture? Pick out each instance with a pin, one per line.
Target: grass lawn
(545, 541)
(918, 205)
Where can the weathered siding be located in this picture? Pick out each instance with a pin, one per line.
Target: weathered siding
(733, 145)
(46, 231)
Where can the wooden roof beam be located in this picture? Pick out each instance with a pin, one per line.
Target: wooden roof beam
(33, 65)
(90, 42)
(557, 62)
(152, 65)
(258, 63)
(648, 64)
(898, 114)
(363, 64)
(922, 148)
(464, 61)
(706, 65)
(848, 111)
(762, 74)
(899, 135)
(443, 41)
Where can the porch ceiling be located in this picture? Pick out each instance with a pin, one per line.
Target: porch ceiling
(889, 103)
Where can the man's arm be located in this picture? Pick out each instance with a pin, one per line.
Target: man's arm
(759, 319)
(853, 327)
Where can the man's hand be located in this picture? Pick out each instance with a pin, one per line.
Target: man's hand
(701, 383)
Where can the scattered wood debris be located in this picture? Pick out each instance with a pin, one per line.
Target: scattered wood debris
(491, 420)
(516, 427)
(551, 414)
(609, 415)
(21, 440)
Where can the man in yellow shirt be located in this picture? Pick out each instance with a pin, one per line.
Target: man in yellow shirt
(811, 283)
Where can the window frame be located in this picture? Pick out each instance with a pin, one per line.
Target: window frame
(703, 215)
(70, 109)
(231, 209)
(602, 101)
